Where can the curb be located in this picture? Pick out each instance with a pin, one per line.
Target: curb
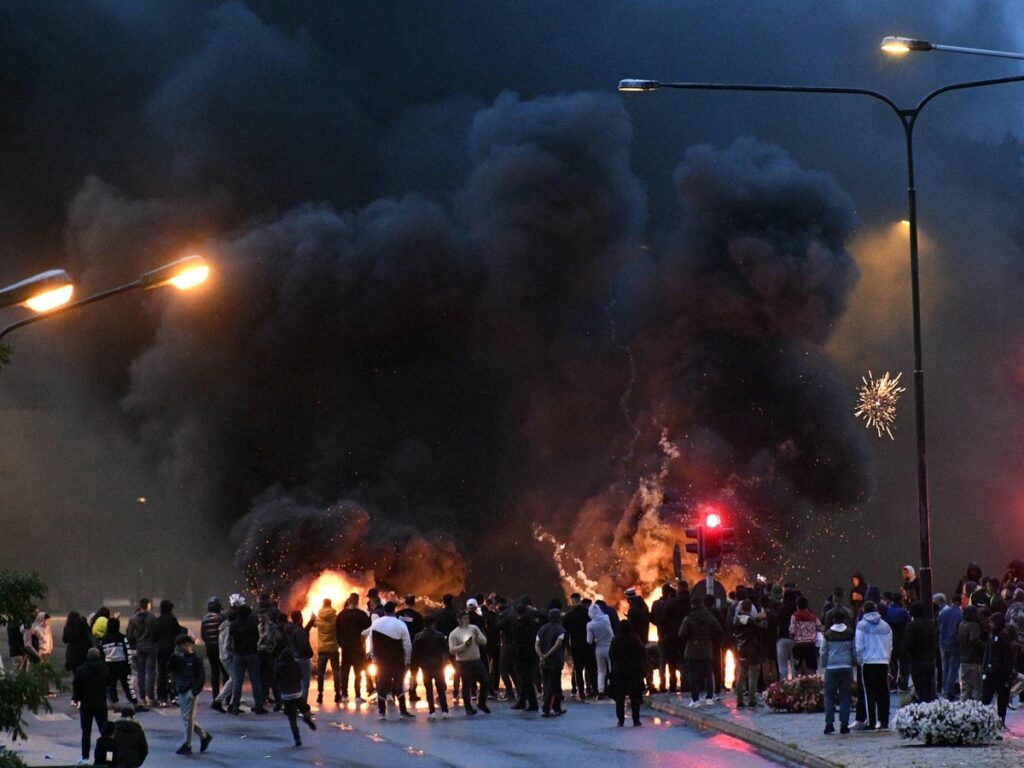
(755, 738)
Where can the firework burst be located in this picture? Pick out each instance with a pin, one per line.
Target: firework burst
(876, 402)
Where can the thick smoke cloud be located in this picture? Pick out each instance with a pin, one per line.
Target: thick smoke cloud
(446, 318)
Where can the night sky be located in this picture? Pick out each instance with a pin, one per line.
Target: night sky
(462, 288)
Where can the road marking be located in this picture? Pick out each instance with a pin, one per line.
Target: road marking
(52, 717)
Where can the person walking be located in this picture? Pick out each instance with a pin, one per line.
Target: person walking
(464, 643)
(209, 631)
(390, 647)
(873, 646)
(327, 651)
(290, 683)
(188, 676)
(948, 622)
(77, 641)
(698, 634)
(297, 640)
(600, 635)
(89, 690)
(803, 630)
(115, 652)
(165, 634)
(142, 639)
(225, 648)
(972, 655)
(997, 667)
(746, 631)
(268, 646)
(628, 658)
(245, 638)
(429, 648)
(919, 645)
(550, 648)
(837, 658)
(524, 653)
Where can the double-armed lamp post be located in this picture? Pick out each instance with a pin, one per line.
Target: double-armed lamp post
(908, 119)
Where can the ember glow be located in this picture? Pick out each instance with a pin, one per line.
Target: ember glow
(730, 670)
(335, 586)
(877, 400)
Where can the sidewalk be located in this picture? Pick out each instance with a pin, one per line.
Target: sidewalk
(798, 738)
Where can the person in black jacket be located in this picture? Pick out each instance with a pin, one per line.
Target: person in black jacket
(575, 623)
(115, 652)
(413, 621)
(89, 689)
(628, 658)
(429, 649)
(189, 676)
(297, 638)
(130, 746)
(507, 666)
(350, 625)
(997, 668)
(447, 617)
(209, 631)
(245, 637)
(523, 636)
(919, 644)
(165, 633)
(77, 641)
(290, 682)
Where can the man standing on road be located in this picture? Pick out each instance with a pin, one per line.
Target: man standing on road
(327, 651)
(873, 644)
(948, 621)
(189, 676)
(698, 634)
(465, 643)
(524, 654)
(351, 624)
(210, 632)
(142, 638)
(413, 621)
(90, 691)
(550, 647)
(245, 637)
(575, 624)
(391, 648)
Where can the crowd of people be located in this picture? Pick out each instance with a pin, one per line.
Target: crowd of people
(965, 645)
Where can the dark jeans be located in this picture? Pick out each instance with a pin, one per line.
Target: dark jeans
(86, 715)
(950, 671)
(246, 662)
(433, 677)
(163, 690)
(145, 667)
(579, 670)
(635, 697)
(701, 676)
(552, 689)
(353, 659)
(120, 672)
(322, 660)
(837, 682)
(876, 690)
(291, 711)
(213, 656)
(268, 677)
(805, 658)
(991, 686)
(527, 671)
(473, 673)
(922, 673)
(509, 677)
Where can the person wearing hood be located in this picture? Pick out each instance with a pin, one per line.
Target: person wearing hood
(429, 649)
(327, 651)
(784, 643)
(997, 666)
(245, 639)
(858, 592)
(130, 747)
(911, 587)
(599, 635)
(638, 615)
(98, 622)
(550, 648)
(575, 623)
(115, 652)
(77, 641)
(210, 633)
(837, 657)
(747, 626)
(873, 646)
(522, 636)
(948, 622)
(919, 644)
(898, 617)
(972, 653)
(89, 690)
(611, 613)
(803, 629)
(968, 583)
(699, 633)
(226, 653)
(165, 633)
(189, 676)
(290, 681)
(141, 637)
(350, 627)
(629, 660)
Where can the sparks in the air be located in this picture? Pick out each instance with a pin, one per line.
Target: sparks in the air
(876, 402)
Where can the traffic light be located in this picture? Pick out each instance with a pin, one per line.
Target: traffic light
(696, 547)
(712, 538)
(728, 540)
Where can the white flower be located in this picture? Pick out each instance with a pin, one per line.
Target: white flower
(949, 722)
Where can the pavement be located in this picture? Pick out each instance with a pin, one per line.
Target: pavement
(353, 736)
(799, 738)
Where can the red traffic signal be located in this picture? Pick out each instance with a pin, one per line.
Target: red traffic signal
(712, 520)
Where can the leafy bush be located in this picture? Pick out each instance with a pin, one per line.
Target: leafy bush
(949, 723)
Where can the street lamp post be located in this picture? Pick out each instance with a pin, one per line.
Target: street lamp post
(183, 274)
(40, 293)
(908, 119)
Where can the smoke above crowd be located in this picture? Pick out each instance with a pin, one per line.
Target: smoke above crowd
(459, 337)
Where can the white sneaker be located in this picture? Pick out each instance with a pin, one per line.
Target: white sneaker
(382, 717)
(694, 704)
(431, 716)
(82, 761)
(446, 715)
(344, 699)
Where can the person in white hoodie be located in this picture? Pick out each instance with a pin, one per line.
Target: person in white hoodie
(873, 646)
(390, 647)
(599, 635)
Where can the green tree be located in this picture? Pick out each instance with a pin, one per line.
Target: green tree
(21, 690)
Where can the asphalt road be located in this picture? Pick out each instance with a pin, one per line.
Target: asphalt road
(353, 736)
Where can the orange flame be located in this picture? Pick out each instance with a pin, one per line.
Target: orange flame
(335, 586)
(730, 670)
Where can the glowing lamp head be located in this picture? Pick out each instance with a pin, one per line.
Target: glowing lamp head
(900, 46)
(40, 293)
(712, 520)
(182, 274)
(49, 300)
(638, 86)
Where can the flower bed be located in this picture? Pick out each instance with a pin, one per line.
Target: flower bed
(950, 723)
(801, 694)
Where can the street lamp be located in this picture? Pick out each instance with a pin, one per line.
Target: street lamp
(900, 46)
(182, 274)
(908, 119)
(40, 293)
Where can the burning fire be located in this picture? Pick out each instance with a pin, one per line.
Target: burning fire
(335, 586)
(730, 670)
